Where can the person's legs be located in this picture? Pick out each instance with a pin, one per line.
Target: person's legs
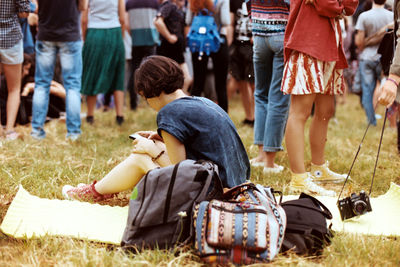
(301, 181)
(11, 59)
(324, 110)
(13, 77)
(299, 111)
(262, 58)
(91, 104)
(368, 82)
(199, 73)
(241, 78)
(45, 62)
(119, 102)
(125, 175)
(122, 177)
(247, 97)
(138, 54)
(278, 104)
(220, 68)
(232, 86)
(71, 65)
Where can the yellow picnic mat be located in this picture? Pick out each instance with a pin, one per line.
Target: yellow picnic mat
(383, 220)
(30, 216)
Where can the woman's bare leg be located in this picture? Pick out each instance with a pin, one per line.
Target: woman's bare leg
(126, 174)
(300, 109)
(119, 102)
(13, 78)
(247, 97)
(324, 110)
(91, 104)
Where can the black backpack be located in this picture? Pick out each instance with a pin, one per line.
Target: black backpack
(160, 208)
(307, 231)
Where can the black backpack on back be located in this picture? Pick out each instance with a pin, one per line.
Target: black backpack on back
(307, 231)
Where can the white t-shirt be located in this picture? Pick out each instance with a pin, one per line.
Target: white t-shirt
(370, 22)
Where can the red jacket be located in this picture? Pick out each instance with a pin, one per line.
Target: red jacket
(310, 29)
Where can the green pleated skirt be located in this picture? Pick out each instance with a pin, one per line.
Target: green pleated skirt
(103, 61)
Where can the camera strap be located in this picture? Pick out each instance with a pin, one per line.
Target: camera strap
(358, 151)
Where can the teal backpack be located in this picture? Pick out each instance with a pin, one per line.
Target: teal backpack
(203, 36)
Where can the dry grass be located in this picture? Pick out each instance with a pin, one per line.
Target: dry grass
(44, 167)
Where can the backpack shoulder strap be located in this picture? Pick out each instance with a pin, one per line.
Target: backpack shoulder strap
(325, 210)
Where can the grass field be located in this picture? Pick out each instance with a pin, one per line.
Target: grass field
(44, 167)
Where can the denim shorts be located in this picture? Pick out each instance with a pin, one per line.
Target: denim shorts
(13, 55)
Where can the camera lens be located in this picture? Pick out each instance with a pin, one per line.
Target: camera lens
(359, 207)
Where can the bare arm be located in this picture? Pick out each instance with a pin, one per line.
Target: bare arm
(57, 89)
(176, 150)
(83, 5)
(230, 30)
(84, 22)
(378, 36)
(360, 40)
(121, 15)
(127, 25)
(163, 30)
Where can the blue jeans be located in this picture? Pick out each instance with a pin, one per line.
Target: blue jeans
(71, 67)
(271, 105)
(369, 73)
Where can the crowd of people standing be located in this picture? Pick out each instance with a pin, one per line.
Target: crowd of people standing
(268, 52)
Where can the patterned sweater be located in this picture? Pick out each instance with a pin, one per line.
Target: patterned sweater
(269, 17)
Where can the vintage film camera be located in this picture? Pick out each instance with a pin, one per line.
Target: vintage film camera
(354, 205)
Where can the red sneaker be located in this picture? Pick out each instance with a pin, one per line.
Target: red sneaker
(84, 192)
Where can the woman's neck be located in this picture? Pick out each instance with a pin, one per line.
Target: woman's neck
(168, 98)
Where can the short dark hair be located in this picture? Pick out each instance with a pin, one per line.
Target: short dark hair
(157, 74)
(379, 2)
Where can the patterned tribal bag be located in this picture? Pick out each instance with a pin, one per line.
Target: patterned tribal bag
(247, 228)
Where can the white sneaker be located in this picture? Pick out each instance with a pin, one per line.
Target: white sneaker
(276, 169)
(256, 164)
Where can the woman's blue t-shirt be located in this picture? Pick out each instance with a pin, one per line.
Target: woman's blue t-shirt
(207, 133)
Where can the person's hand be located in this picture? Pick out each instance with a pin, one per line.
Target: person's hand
(146, 146)
(150, 135)
(309, 2)
(27, 89)
(388, 93)
(173, 39)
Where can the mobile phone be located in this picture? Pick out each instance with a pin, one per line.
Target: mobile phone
(134, 136)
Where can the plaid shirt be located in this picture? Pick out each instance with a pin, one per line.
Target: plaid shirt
(10, 29)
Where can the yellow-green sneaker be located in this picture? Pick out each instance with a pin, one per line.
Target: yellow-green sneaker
(303, 182)
(322, 174)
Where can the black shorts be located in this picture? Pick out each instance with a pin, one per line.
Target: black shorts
(241, 61)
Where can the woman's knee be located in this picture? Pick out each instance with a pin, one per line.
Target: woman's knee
(299, 114)
(325, 113)
(141, 161)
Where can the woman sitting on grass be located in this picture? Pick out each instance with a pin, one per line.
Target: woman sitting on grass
(188, 128)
